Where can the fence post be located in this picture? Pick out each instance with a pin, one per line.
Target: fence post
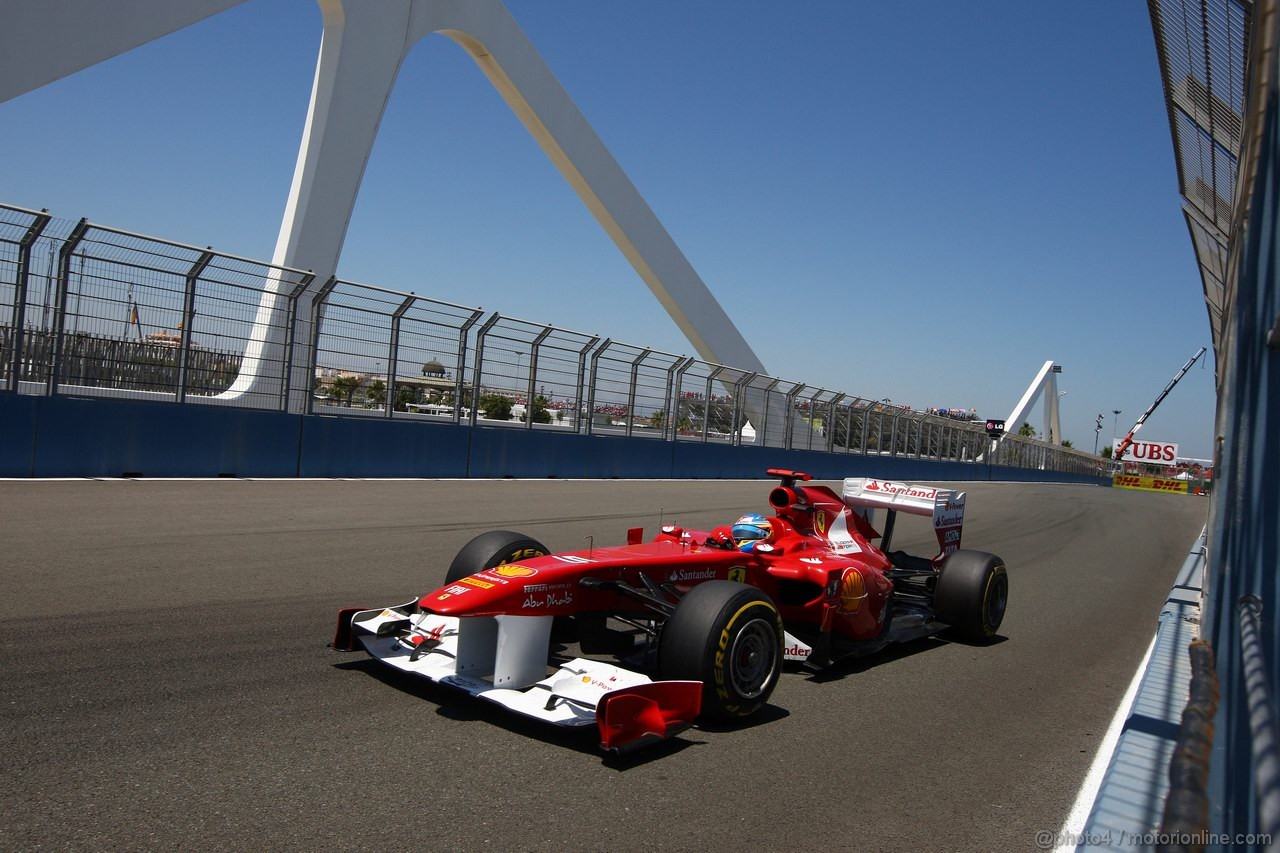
(763, 431)
(788, 433)
(533, 374)
(877, 409)
(831, 422)
(813, 399)
(582, 373)
(34, 230)
(460, 384)
(706, 401)
(862, 426)
(631, 388)
(317, 314)
(393, 355)
(591, 388)
(738, 411)
(892, 428)
(479, 368)
(677, 372)
(188, 314)
(855, 409)
(60, 312)
(290, 335)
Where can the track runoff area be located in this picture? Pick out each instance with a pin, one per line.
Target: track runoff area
(168, 681)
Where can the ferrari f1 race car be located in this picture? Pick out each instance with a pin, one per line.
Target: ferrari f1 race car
(697, 623)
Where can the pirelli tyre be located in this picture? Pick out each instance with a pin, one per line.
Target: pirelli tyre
(728, 636)
(494, 548)
(971, 594)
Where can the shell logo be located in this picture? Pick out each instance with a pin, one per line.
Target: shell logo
(513, 571)
(852, 591)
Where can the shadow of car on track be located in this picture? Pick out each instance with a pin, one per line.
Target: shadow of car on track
(767, 714)
(854, 665)
(454, 705)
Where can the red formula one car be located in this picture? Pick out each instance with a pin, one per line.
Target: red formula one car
(712, 614)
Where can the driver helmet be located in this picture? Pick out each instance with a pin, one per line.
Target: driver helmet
(750, 530)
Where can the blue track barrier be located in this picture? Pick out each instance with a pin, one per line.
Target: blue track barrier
(368, 447)
(17, 435)
(112, 438)
(85, 437)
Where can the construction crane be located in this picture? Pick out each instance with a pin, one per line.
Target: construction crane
(1123, 446)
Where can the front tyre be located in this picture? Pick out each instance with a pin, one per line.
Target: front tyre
(495, 548)
(728, 636)
(971, 594)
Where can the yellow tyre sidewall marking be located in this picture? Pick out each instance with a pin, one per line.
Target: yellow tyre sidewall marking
(522, 554)
(723, 645)
(986, 600)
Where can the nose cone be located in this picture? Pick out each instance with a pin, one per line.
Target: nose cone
(469, 595)
(517, 589)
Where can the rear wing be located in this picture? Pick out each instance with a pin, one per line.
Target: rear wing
(946, 506)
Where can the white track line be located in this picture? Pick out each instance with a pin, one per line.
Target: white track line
(1073, 827)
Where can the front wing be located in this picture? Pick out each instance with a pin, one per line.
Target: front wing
(629, 709)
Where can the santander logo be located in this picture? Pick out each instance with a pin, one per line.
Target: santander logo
(900, 489)
(799, 650)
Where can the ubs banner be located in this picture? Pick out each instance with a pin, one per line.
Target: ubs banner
(1151, 452)
(1150, 484)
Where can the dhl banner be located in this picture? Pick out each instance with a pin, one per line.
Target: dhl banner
(1151, 484)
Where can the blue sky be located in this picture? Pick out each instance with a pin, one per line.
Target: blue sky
(917, 201)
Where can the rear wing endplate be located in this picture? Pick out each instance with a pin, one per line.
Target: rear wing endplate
(944, 506)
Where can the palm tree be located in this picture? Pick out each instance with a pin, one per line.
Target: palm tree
(377, 393)
(345, 387)
(1027, 431)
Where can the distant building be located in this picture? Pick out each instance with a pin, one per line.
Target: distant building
(434, 383)
(164, 339)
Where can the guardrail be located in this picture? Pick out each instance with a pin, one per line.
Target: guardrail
(98, 311)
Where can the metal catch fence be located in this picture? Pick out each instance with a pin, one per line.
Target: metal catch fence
(97, 311)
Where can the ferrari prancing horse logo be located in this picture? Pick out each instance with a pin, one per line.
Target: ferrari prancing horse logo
(820, 521)
(738, 574)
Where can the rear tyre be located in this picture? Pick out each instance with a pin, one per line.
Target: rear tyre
(971, 594)
(494, 548)
(728, 636)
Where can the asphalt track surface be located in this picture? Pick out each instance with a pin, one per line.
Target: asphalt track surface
(167, 682)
